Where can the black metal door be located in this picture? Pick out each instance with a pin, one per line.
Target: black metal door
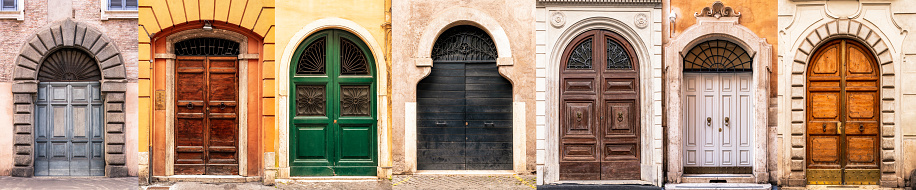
(464, 113)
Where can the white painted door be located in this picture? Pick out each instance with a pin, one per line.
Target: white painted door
(718, 119)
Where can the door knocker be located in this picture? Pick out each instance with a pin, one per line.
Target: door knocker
(825, 127)
(222, 105)
(578, 116)
(861, 128)
(619, 117)
(189, 105)
(726, 121)
(708, 121)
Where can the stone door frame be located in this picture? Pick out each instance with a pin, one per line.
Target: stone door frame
(713, 28)
(243, 59)
(46, 40)
(803, 49)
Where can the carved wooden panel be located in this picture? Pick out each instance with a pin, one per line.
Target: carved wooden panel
(602, 124)
(843, 119)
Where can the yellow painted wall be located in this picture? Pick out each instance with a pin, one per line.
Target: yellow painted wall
(369, 14)
(157, 15)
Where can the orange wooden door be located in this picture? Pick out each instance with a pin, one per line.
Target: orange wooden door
(206, 116)
(842, 115)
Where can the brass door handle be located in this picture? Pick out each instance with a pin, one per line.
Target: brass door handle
(726, 121)
(619, 117)
(861, 128)
(708, 121)
(825, 127)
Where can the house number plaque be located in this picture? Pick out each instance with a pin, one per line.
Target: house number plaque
(160, 99)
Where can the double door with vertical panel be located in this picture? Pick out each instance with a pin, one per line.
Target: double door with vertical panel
(719, 133)
(842, 115)
(206, 116)
(69, 135)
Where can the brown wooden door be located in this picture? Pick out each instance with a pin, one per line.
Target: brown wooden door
(599, 109)
(843, 115)
(206, 116)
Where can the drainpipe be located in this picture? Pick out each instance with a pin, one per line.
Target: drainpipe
(667, 27)
(149, 141)
(387, 27)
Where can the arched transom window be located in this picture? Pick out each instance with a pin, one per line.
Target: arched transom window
(716, 56)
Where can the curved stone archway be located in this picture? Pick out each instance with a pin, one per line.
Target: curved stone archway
(69, 34)
(814, 38)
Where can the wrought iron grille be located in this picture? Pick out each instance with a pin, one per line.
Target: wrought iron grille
(464, 43)
(581, 56)
(354, 100)
(617, 57)
(310, 100)
(69, 65)
(352, 59)
(312, 60)
(717, 56)
(207, 47)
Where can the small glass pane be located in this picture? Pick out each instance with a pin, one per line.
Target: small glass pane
(312, 60)
(8, 5)
(207, 47)
(717, 56)
(131, 4)
(354, 100)
(352, 59)
(581, 56)
(115, 4)
(310, 100)
(617, 57)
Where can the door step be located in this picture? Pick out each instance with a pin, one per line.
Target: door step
(723, 186)
(207, 178)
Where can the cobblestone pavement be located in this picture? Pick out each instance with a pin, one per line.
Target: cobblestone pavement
(398, 182)
(56, 183)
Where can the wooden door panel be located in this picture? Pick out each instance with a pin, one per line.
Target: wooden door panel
(206, 126)
(825, 105)
(861, 150)
(579, 119)
(861, 105)
(579, 86)
(620, 118)
(825, 150)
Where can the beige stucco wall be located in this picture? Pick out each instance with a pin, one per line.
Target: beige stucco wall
(889, 23)
(511, 25)
(6, 138)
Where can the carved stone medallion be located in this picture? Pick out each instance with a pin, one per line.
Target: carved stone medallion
(557, 19)
(641, 21)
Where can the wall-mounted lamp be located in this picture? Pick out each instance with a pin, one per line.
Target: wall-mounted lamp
(672, 16)
(207, 26)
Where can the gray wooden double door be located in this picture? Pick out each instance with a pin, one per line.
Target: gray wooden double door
(69, 137)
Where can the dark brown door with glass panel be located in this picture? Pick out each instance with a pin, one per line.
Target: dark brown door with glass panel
(206, 107)
(599, 109)
(842, 107)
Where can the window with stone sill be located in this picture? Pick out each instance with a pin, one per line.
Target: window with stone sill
(11, 9)
(119, 9)
(8, 5)
(122, 5)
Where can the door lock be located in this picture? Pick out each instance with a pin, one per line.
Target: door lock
(708, 121)
(825, 127)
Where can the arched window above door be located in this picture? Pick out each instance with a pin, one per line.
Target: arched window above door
(717, 56)
(599, 47)
(207, 47)
(69, 64)
(464, 43)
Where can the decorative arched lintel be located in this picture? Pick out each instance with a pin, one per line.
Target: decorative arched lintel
(45, 41)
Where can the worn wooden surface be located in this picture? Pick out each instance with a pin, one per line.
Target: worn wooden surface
(599, 115)
(69, 132)
(206, 126)
(843, 113)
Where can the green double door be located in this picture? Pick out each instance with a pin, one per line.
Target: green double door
(332, 107)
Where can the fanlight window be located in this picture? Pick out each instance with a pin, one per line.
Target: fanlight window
(69, 65)
(312, 60)
(207, 47)
(352, 59)
(464, 43)
(581, 57)
(717, 56)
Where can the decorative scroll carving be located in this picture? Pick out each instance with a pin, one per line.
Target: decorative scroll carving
(312, 60)
(310, 100)
(69, 65)
(352, 59)
(717, 56)
(581, 57)
(617, 57)
(354, 101)
(717, 10)
(464, 43)
(207, 47)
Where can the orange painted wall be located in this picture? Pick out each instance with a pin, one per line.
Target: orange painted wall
(758, 15)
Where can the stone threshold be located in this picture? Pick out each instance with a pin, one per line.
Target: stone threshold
(464, 172)
(207, 178)
(718, 178)
(720, 186)
(329, 179)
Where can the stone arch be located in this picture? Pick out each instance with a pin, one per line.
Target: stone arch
(804, 48)
(283, 83)
(462, 16)
(86, 37)
(711, 28)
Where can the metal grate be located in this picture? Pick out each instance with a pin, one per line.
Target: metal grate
(310, 100)
(354, 100)
(464, 43)
(717, 56)
(617, 57)
(312, 60)
(69, 65)
(581, 57)
(207, 47)
(352, 59)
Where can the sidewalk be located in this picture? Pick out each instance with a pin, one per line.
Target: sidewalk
(398, 182)
(55, 183)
